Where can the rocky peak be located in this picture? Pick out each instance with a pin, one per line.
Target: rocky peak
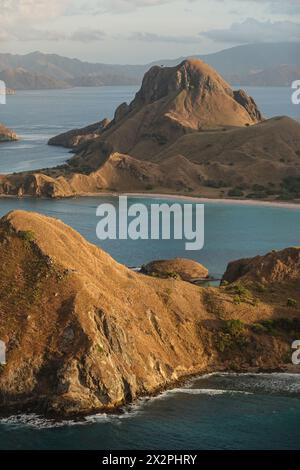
(203, 87)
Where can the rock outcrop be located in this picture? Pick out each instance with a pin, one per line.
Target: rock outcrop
(76, 137)
(6, 135)
(84, 333)
(185, 269)
(276, 267)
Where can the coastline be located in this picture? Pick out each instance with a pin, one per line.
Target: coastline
(181, 197)
(159, 392)
(169, 196)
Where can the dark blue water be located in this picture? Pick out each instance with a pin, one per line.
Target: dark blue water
(218, 412)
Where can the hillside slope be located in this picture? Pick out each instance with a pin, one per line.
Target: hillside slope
(84, 333)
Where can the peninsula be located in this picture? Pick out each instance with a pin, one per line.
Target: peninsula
(84, 333)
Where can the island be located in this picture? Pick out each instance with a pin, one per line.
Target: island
(187, 132)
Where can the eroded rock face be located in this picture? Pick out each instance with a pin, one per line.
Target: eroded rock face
(185, 269)
(275, 267)
(84, 333)
(76, 137)
(7, 135)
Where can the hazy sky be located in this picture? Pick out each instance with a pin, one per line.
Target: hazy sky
(139, 31)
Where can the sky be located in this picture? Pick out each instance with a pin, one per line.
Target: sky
(140, 31)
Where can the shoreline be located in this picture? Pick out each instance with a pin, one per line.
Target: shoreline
(199, 199)
(168, 196)
(120, 410)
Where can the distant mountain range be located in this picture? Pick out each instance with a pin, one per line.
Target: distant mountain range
(253, 64)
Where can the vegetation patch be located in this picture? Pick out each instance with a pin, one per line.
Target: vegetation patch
(27, 235)
(241, 294)
(232, 335)
(290, 326)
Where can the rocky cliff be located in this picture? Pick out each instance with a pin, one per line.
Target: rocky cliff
(85, 334)
(6, 135)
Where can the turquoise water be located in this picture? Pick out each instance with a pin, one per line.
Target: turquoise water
(217, 412)
(232, 231)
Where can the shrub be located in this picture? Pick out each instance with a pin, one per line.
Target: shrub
(235, 192)
(27, 235)
(234, 327)
(292, 303)
(259, 328)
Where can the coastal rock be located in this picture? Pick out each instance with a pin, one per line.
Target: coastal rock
(6, 135)
(185, 269)
(85, 334)
(76, 137)
(275, 267)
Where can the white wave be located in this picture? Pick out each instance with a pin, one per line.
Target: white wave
(208, 391)
(19, 147)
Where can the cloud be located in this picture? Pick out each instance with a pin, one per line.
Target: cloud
(153, 37)
(32, 10)
(251, 31)
(98, 7)
(87, 35)
(18, 19)
(288, 7)
(33, 35)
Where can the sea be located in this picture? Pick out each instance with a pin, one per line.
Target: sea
(219, 411)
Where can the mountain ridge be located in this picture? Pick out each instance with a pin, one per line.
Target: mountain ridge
(239, 65)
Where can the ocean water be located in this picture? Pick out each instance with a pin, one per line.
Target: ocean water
(38, 115)
(232, 231)
(214, 412)
(227, 411)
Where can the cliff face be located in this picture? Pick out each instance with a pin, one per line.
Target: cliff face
(77, 137)
(84, 333)
(282, 267)
(6, 135)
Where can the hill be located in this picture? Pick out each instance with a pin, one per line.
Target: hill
(85, 334)
(250, 64)
(71, 72)
(21, 79)
(244, 64)
(185, 132)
